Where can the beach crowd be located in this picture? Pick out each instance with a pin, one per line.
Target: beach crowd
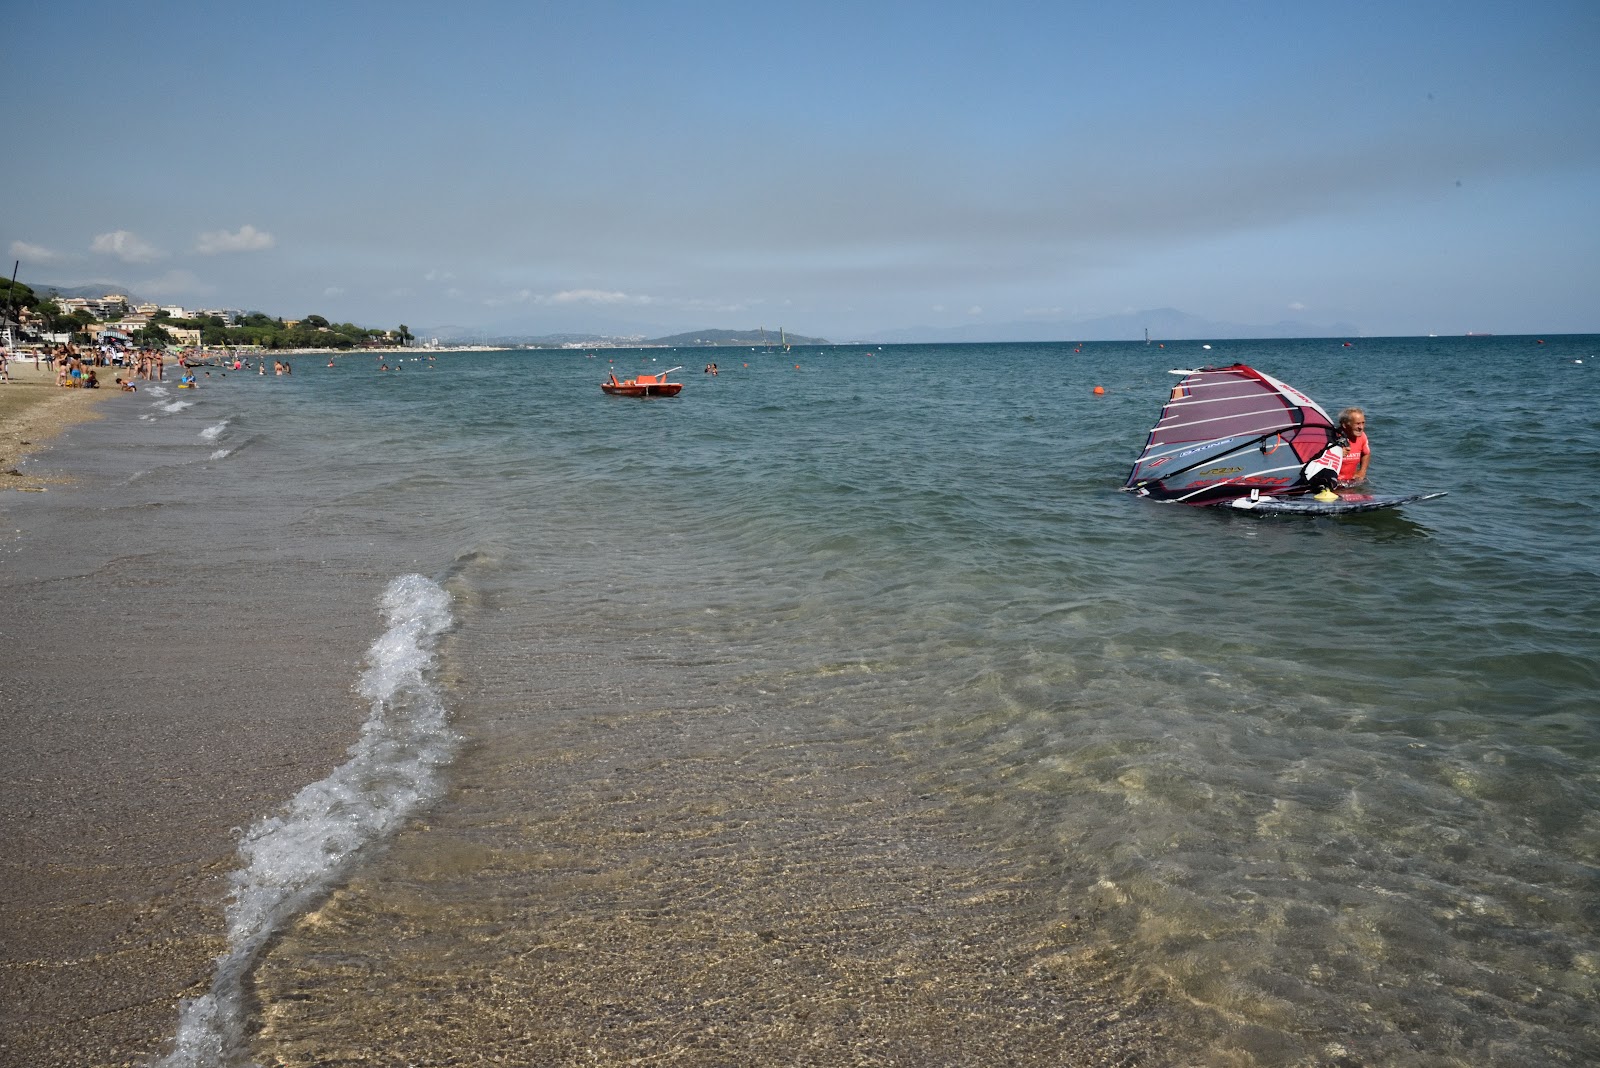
(75, 366)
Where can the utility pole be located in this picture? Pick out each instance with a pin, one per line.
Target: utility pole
(11, 297)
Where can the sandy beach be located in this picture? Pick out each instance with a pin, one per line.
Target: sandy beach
(33, 409)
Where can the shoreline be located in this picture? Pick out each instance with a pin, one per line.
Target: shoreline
(156, 650)
(33, 411)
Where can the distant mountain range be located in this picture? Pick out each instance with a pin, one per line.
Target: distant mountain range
(757, 337)
(689, 339)
(93, 292)
(1164, 324)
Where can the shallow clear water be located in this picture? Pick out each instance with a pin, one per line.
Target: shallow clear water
(1318, 790)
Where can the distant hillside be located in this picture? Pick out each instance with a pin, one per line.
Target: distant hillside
(99, 289)
(733, 337)
(456, 335)
(1164, 324)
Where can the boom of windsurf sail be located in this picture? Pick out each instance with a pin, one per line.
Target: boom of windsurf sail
(1228, 431)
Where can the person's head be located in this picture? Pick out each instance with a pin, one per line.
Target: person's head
(1353, 421)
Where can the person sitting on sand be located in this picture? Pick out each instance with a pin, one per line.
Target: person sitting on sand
(127, 387)
(90, 379)
(1357, 453)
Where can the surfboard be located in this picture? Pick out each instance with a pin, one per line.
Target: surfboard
(1345, 505)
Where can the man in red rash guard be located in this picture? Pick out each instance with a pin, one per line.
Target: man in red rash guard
(1357, 454)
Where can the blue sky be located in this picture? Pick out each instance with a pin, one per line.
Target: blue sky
(839, 169)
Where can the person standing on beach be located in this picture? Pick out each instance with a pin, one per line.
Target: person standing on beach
(1357, 454)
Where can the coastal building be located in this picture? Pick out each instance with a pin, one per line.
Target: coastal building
(106, 307)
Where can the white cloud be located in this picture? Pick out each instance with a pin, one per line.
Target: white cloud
(593, 296)
(34, 253)
(125, 246)
(975, 310)
(569, 297)
(177, 283)
(1296, 306)
(246, 239)
(333, 291)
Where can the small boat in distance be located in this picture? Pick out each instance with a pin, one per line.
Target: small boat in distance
(643, 385)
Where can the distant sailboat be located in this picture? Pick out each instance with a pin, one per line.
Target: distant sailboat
(783, 339)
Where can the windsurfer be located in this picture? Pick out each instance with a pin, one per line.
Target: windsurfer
(1357, 454)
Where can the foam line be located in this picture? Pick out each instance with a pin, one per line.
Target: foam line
(292, 858)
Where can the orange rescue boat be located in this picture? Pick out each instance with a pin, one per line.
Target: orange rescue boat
(643, 385)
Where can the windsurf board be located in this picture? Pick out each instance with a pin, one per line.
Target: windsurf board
(1344, 505)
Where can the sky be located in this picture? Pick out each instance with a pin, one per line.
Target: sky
(839, 169)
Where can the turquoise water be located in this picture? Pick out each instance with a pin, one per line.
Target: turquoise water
(1320, 790)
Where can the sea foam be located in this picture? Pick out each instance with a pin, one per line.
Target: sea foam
(292, 858)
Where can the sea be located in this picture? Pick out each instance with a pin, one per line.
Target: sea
(841, 709)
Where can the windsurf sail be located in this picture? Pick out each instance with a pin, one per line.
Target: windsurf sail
(1227, 431)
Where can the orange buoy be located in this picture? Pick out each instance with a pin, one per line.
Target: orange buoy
(1099, 391)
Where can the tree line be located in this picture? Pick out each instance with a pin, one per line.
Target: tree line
(255, 328)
